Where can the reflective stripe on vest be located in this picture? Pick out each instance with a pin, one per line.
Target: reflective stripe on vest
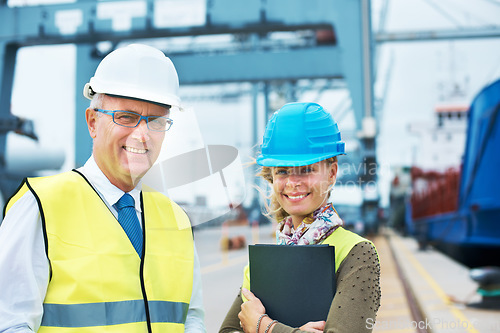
(112, 313)
(97, 278)
(343, 240)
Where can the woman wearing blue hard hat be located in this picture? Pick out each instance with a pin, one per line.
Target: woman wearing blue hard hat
(299, 160)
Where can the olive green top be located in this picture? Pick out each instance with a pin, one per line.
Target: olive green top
(356, 301)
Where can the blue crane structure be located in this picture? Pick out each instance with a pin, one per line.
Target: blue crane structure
(346, 53)
(333, 40)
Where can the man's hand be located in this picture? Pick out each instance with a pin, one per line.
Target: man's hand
(250, 312)
(314, 326)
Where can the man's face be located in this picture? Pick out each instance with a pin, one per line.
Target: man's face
(125, 154)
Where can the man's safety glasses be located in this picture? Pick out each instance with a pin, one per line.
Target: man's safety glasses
(132, 119)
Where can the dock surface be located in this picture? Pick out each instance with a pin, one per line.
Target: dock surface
(422, 291)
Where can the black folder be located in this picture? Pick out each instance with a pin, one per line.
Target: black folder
(296, 284)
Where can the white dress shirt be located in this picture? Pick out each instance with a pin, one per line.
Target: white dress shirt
(24, 267)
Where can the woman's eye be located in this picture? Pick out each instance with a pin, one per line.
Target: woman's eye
(306, 170)
(281, 172)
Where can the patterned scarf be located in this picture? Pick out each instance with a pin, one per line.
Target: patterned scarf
(313, 229)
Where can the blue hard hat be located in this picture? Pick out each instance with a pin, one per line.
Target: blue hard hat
(300, 134)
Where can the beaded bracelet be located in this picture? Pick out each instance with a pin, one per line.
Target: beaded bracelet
(260, 319)
(269, 326)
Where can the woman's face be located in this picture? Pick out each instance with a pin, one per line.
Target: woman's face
(302, 190)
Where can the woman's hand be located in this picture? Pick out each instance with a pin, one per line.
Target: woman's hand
(252, 309)
(250, 312)
(314, 326)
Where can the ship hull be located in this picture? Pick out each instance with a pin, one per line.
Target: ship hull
(472, 239)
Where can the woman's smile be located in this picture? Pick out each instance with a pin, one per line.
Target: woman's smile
(296, 197)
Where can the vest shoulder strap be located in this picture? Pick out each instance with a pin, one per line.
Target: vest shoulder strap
(21, 190)
(159, 201)
(343, 240)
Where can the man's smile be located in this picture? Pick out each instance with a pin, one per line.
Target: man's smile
(135, 150)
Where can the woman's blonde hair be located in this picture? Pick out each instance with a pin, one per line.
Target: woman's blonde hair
(273, 208)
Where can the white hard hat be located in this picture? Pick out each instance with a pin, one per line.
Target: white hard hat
(139, 72)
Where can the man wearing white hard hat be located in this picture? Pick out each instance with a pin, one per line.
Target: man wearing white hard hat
(88, 250)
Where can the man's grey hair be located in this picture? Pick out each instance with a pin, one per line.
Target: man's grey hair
(97, 102)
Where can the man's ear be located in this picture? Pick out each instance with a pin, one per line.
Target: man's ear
(91, 117)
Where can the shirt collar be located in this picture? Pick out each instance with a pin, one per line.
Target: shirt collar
(109, 192)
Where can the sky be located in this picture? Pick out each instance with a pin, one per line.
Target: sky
(409, 75)
(420, 68)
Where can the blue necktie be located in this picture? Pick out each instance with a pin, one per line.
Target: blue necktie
(127, 218)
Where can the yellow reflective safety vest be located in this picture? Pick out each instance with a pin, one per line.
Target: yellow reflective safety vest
(98, 283)
(343, 240)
